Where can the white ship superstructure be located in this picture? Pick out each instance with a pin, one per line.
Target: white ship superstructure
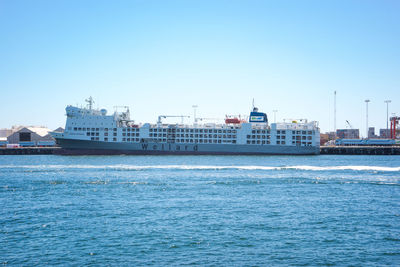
(92, 131)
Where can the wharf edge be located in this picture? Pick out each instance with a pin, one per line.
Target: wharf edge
(338, 150)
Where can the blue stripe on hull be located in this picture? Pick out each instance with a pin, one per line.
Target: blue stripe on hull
(82, 147)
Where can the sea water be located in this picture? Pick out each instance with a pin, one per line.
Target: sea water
(200, 210)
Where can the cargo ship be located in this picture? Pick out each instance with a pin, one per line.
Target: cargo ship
(90, 131)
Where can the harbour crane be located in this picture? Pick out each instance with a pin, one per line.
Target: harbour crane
(171, 116)
(351, 126)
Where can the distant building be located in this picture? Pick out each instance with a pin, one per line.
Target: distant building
(384, 133)
(371, 133)
(348, 133)
(5, 132)
(30, 134)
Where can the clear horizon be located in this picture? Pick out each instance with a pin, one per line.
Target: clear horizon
(162, 57)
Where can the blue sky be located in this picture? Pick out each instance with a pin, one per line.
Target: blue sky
(162, 57)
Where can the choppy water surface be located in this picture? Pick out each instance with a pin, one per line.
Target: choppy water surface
(202, 210)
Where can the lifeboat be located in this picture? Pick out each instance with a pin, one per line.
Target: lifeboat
(232, 120)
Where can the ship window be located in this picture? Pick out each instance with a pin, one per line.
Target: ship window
(219, 141)
(258, 131)
(309, 137)
(253, 141)
(248, 141)
(105, 134)
(283, 132)
(97, 129)
(309, 132)
(114, 139)
(278, 142)
(233, 141)
(115, 134)
(258, 141)
(253, 136)
(97, 134)
(88, 134)
(248, 136)
(253, 131)
(106, 139)
(92, 129)
(279, 132)
(283, 142)
(92, 138)
(74, 128)
(123, 134)
(303, 132)
(303, 138)
(124, 139)
(115, 129)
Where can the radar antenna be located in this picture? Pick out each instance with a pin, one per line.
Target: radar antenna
(90, 102)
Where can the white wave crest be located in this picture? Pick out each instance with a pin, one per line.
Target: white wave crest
(200, 167)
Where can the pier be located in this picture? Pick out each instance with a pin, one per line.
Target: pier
(360, 150)
(325, 150)
(28, 151)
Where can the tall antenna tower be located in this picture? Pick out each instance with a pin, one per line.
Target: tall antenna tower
(334, 113)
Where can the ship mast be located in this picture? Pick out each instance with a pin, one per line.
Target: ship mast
(90, 102)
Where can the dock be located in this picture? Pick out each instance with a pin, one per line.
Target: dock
(360, 150)
(325, 150)
(28, 150)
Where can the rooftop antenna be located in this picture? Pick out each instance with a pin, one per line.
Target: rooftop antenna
(90, 102)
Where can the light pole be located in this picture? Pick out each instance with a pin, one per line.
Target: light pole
(387, 117)
(275, 111)
(366, 102)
